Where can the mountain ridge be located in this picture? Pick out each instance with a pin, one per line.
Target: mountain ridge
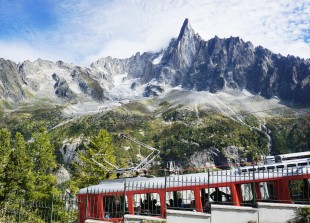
(188, 62)
(211, 65)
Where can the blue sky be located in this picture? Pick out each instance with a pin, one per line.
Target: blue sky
(18, 16)
(82, 31)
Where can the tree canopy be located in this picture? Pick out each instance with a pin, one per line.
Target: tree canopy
(100, 148)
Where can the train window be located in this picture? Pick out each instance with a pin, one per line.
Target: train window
(267, 191)
(247, 193)
(291, 165)
(278, 159)
(180, 200)
(220, 195)
(300, 191)
(261, 168)
(270, 167)
(292, 156)
(114, 206)
(147, 204)
(303, 164)
(280, 166)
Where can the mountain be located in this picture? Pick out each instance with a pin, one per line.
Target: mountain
(196, 64)
(223, 94)
(188, 62)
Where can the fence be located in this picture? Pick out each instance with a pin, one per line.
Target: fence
(56, 209)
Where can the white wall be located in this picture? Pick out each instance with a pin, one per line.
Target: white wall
(232, 214)
(140, 218)
(265, 213)
(174, 216)
(96, 221)
(276, 213)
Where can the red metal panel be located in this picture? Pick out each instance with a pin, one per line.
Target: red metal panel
(100, 207)
(82, 207)
(282, 191)
(198, 200)
(130, 203)
(236, 194)
(162, 197)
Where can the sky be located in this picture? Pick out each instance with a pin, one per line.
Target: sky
(82, 31)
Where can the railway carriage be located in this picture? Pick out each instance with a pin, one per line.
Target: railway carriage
(112, 199)
(293, 157)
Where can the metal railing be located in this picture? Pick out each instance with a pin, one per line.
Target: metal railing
(56, 209)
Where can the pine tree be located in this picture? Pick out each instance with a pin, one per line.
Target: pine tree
(5, 150)
(101, 149)
(44, 162)
(18, 176)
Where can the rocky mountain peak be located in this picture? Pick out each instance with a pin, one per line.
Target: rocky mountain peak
(186, 30)
(180, 54)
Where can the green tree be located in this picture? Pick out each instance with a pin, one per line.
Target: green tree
(44, 162)
(18, 176)
(5, 150)
(302, 215)
(100, 148)
(42, 152)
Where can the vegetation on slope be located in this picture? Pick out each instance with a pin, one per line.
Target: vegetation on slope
(178, 132)
(289, 134)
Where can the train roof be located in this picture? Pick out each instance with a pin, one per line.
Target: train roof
(215, 177)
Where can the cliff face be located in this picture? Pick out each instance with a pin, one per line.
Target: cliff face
(10, 81)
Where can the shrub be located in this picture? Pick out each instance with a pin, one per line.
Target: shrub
(302, 215)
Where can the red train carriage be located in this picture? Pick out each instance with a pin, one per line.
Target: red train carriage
(112, 199)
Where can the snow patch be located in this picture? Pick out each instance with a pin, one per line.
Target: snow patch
(158, 59)
(120, 79)
(123, 90)
(246, 92)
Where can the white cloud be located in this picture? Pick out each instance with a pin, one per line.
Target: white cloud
(18, 52)
(92, 29)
